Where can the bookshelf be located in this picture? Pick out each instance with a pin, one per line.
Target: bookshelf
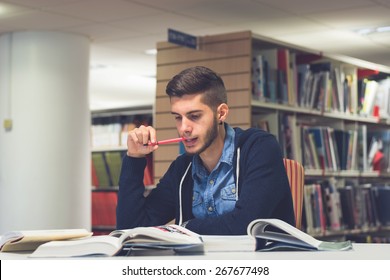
(289, 90)
(108, 141)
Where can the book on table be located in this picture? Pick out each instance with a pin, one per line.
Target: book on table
(172, 237)
(272, 235)
(28, 240)
(262, 235)
(277, 235)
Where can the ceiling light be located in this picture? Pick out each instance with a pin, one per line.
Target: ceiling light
(367, 31)
(383, 29)
(98, 66)
(3, 9)
(151, 52)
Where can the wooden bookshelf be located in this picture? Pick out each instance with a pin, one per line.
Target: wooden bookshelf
(231, 56)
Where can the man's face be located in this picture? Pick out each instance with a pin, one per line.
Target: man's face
(195, 121)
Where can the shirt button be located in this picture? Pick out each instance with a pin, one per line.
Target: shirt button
(233, 190)
(210, 209)
(211, 182)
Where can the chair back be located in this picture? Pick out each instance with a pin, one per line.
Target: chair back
(296, 177)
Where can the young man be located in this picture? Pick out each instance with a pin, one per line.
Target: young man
(227, 177)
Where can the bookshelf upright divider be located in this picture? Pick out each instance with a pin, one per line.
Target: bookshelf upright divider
(299, 95)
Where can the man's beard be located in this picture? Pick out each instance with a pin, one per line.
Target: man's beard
(211, 135)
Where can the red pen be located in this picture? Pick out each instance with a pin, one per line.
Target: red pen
(168, 141)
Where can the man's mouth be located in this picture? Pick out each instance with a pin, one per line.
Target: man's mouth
(190, 141)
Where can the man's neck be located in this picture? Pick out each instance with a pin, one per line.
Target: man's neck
(211, 156)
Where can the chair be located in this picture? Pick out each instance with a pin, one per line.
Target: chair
(296, 177)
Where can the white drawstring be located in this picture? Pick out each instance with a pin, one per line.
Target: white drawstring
(180, 187)
(237, 171)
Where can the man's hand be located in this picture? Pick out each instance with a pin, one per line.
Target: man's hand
(138, 139)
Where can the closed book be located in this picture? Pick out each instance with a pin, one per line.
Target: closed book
(383, 203)
(342, 141)
(104, 209)
(114, 163)
(318, 135)
(333, 207)
(101, 169)
(347, 199)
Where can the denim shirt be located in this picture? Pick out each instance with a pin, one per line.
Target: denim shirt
(215, 193)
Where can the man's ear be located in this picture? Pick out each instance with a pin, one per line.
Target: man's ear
(222, 112)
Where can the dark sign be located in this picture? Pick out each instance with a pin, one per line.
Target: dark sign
(182, 39)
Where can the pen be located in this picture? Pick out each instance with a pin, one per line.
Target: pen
(168, 141)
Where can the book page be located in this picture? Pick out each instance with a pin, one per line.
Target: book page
(95, 245)
(228, 243)
(165, 233)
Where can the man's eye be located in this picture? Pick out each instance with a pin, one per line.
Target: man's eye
(194, 117)
(178, 118)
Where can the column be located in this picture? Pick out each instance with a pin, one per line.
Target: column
(45, 180)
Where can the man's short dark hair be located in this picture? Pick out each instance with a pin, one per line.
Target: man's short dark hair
(199, 80)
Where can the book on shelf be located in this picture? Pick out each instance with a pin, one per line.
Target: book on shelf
(27, 240)
(112, 130)
(106, 167)
(105, 131)
(277, 235)
(290, 136)
(378, 157)
(382, 194)
(383, 98)
(286, 67)
(94, 176)
(319, 142)
(103, 210)
(345, 206)
(270, 69)
(366, 206)
(102, 172)
(114, 163)
(310, 159)
(332, 203)
(258, 77)
(124, 242)
(348, 207)
(273, 76)
(338, 87)
(342, 143)
(370, 89)
(314, 208)
(349, 76)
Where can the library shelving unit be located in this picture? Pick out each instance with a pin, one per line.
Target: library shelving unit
(301, 96)
(108, 141)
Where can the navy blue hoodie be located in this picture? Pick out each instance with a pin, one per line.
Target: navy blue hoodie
(263, 190)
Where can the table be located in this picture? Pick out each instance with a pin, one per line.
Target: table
(361, 251)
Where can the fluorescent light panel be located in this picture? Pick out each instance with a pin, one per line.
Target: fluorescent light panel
(367, 31)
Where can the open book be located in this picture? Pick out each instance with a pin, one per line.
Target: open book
(274, 234)
(121, 242)
(29, 240)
